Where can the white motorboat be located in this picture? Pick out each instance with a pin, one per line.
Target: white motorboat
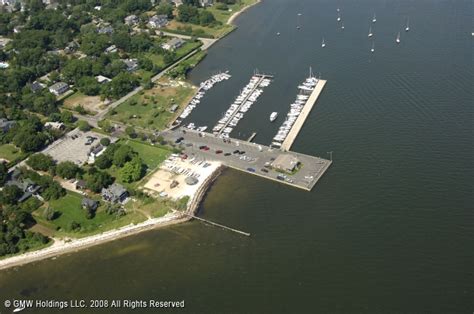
(273, 116)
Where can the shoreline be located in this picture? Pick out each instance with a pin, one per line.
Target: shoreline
(230, 21)
(61, 247)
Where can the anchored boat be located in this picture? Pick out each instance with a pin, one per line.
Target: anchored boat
(273, 116)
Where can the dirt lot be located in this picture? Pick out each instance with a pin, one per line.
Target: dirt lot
(92, 104)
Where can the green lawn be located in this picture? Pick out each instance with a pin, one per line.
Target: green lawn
(152, 156)
(70, 210)
(150, 109)
(10, 152)
(159, 61)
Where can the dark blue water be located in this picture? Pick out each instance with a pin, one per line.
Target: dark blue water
(389, 228)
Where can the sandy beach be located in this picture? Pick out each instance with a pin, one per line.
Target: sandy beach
(236, 14)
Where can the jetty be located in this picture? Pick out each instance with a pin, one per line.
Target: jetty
(252, 137)
(215, 224)
(295, 129)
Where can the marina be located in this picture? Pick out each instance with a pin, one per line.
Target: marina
(203, 88)
(241, 105)
(308, 93)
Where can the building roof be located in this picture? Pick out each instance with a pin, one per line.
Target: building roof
(58, 86)
(36, 86)
(115, 190)
(173, 42)
(285, 162)
(89, 203)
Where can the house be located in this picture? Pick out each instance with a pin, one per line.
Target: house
(59, 88)
(132, 64)
(89, 204)
(4, 65)
(71, 47)
(114, 193)
(37, 86)
(111, 49)
(177, 3)
(158, 21)
(6, 125)
(102, 79)
(3, 42)
(54, 125)
(28, 187)
(95, 152)
(131, 19)
(105, 30)
(81, 185)
(173, 44)
(206, 3)
(285, 162)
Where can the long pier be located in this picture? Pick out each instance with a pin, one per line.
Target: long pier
(295, 129)
(219, 225)
(261, 78)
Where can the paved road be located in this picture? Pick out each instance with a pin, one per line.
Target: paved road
(257, 157)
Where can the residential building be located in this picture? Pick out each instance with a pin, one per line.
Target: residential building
(132, 64)
(95, 152)
(6, 125)
(54, 125)
(131, 19)
(89, 204)
(81, 185)
(174, 108)
(158, 21)
(37, 86)
(105, 30)
(173, 44)
(111, 49)
(102, 79)
(206, 3)
(59, 88)
(114, 193)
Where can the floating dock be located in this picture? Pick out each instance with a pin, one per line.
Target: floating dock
(295, 129)
(250, 139)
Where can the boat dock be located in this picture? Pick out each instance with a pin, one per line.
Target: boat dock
(290, 138)
(215, 224)
(250, 93)
(250, 139)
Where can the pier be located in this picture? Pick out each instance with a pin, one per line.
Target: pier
(256, 159)
(261, 77)
(215, 224)
(295, 129)
(250, 139)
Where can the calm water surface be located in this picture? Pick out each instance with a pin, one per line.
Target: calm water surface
(389, 228)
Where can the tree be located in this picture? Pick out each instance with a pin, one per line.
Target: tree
(88, 85)
(53, 191)
(206, 18)
(3, 173)
(67, 117)
(98, 180)
(105, 141)
(49, 213)
(122, 155)
(83, 126)
(40, 162)
(132, 171)
(29, 141)
(130, 131)
(103, 161)
(10, 194)
(67, 169)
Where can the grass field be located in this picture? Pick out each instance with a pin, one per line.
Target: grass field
(152, 156)
(159, 61)
(150, 109)
(69, 208)
(10, 152)
(215, 31)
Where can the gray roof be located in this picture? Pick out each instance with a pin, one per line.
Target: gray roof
(90, 203)
(115, 190)
(58, 86)
(191, 180)
(175, 42)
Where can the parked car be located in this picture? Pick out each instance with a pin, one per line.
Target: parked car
(218, 151)
(227, 154)
(251, 169)
(264, 170)
(202, 146)
(206, 148)
(236, 151)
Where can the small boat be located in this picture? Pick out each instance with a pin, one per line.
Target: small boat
(407, 27)
(278, 34)
(273, 116)
(339, 17)
(323, 44)
(370, 32)
(373, 47)
(338, 9)
(342, 26)
(374, 19)
(398, 38)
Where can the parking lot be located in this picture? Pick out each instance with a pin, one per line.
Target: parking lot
(249, 157)
(170, 180)
(75, 146)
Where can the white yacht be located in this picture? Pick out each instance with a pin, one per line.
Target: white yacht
(374, 19)
(398, 38)
(273, 116)
(323, 44)
(407, 27)
(373, 47)
(370, 32)
(342, 26)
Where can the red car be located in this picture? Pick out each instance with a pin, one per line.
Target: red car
(206, 148)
